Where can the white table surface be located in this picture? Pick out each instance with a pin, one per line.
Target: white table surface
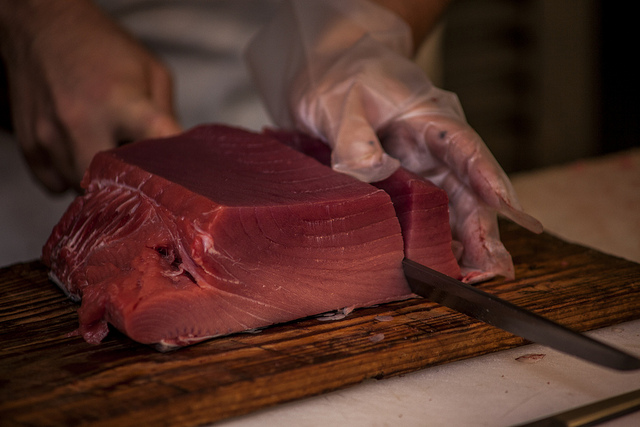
(593, 202)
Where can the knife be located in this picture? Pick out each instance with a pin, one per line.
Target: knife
(593, 413)
(466, 299)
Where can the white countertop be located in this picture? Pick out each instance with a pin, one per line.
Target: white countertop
(592, 202)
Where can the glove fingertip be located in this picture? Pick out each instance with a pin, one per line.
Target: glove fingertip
(521, 218)
(357, 151)
(370, 172)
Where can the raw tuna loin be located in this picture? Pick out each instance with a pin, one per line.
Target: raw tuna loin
(220, 230)
(421, 207)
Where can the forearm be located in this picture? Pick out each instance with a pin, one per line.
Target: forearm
(421, 15)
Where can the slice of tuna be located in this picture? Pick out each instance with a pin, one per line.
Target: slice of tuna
(421, 207)
(220, 230)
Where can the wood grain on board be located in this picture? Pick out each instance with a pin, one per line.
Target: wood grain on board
(49, 377)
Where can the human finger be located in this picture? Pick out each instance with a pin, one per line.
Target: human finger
(459, 147)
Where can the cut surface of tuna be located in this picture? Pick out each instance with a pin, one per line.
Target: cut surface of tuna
(220, 230)
(422, 207)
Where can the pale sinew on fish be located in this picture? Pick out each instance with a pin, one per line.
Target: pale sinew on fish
(421, 207)
(221, 230)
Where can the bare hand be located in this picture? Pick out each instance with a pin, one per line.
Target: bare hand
(79, 84)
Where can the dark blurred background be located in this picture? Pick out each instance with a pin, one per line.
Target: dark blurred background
(544, 81)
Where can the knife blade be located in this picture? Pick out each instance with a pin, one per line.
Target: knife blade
(473, 302)
(593, 413)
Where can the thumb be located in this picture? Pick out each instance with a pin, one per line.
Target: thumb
(144, 120)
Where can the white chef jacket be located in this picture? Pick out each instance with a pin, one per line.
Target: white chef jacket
(202, 42)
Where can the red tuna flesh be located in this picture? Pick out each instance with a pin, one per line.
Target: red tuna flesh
(220, 230)
(422, 207)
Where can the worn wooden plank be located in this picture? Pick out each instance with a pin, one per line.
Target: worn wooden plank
(50, 378)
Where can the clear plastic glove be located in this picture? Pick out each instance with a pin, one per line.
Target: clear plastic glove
(78, 84)
(340, 70)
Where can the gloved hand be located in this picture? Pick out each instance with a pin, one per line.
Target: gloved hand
(340, 70)
(78, 84)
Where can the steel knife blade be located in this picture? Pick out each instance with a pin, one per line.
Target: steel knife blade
(592, 413)
(473, 302)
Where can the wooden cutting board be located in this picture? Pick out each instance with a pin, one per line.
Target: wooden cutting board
(50, 378)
